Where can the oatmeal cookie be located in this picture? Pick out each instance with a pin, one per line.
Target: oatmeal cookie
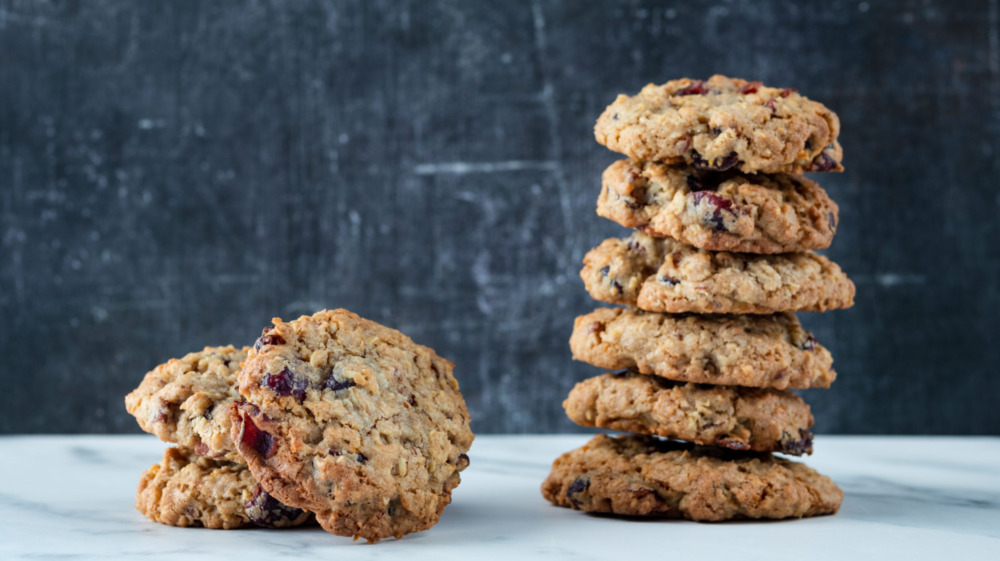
(186, 489)
(353, 421)
(645, 476)
(664, 275)
(761, 351)
(719, 211)
(723, 123)
(761, 420)
(189, 401)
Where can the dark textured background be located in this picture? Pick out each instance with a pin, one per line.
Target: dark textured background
(174, 174)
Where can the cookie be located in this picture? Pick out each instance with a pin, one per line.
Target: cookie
(760, 351)
(353, 421)
(645, 476)
(723, 123)
(189, 401)
(720, 211)
(761, 420)
(186, 489)
(664, 275)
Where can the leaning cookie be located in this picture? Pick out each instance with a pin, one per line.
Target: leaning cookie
(645, 476)
(728, 211)
(189, 401)
(723, 123)
(761, 420)
(761, 351)
(353, 421)
(664, 275)
(186, 489)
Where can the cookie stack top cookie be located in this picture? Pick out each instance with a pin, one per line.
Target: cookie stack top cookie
(723, 123)
(722, 256)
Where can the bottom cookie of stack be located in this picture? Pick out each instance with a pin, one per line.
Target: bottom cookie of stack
(638, 475)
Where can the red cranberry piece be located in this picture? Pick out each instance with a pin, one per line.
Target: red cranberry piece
(750, 88)
(822, 163)
(718, 205)
(770, 105)
(257, 439)
(731, 443)
(265, 510)
(284, 383)
(267, 338)
(696, 87)
(721, 164)
(785, 92)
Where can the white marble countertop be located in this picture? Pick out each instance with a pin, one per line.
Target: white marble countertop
(906, 498)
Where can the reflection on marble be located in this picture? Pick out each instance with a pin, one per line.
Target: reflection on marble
(906, 498)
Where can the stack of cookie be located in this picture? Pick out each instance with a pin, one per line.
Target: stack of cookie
(330, 417)
(721, 258)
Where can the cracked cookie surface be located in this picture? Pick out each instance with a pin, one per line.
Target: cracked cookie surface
(189, 401)
(761, 420)
(719, 211)
(645, 476)
(353, 421)
(761, 351)
(723, 123)
(664, 275)
(186, 489)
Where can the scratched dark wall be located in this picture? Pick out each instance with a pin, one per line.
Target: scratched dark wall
(174, 174)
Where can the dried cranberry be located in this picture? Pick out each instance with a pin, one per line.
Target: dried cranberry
(257, 439)
(822, 163)
(726, 441)
(717, 204)
(750, 87)
(285, 383)
(770, 105)
(797, 446)
(265, 510)
(715, 165)
(579, 485)
(785, 92)
(333, 384)
(268, 338)
(697, 87)
(809, 344)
